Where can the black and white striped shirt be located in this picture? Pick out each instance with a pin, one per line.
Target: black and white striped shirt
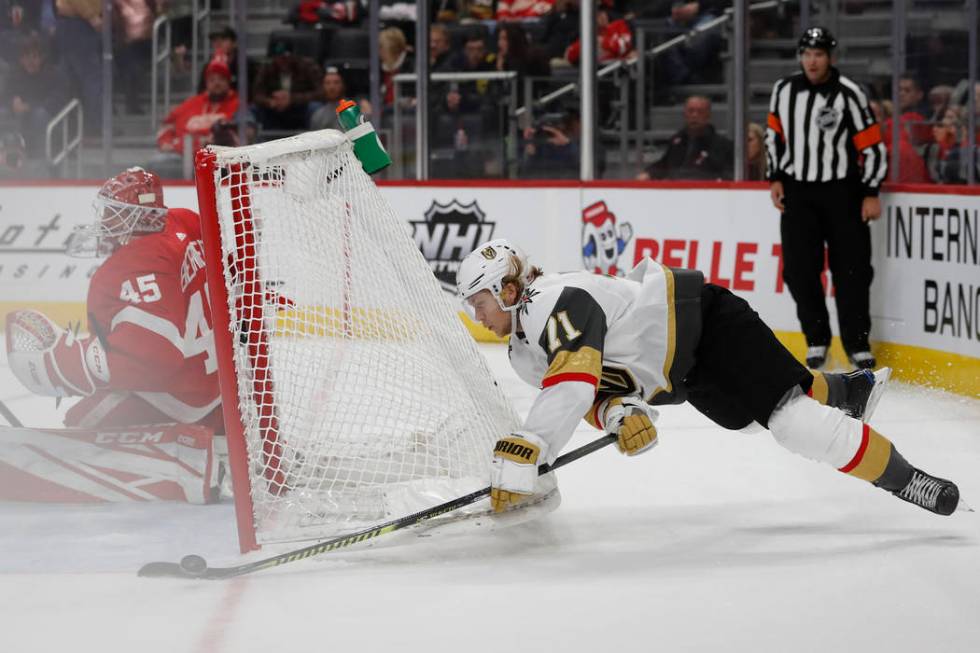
(824, 133)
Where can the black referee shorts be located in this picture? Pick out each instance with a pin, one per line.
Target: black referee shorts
(741, 370)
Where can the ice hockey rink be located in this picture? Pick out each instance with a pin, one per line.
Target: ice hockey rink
(714, 541)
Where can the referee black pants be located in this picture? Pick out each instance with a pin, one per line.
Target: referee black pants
(828, 212)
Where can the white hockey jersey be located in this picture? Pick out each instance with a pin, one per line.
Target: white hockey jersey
(582, 337)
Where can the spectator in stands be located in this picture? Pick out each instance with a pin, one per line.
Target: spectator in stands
(514, 52)
(755, 152)
(17, 17)
(561, 29)
(552, 150)
(285, 88)
(945, 135)
(697, 151)
(698, 60)
(954, 152)
(911, 167)
(196, 115)
(224, 47)
(37, 91)
(440, 49)
(910, 95)
(79, 37)
(395, 59)
(334, 90)
(470, 97)
(521, 9)
(913, 110)
(615, 40)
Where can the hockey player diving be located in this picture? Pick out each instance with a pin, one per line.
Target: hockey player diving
(608, 349)
(148, 355)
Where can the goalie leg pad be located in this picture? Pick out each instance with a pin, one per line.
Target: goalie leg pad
(165, 462)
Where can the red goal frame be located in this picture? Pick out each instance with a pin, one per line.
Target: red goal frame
(250, 313)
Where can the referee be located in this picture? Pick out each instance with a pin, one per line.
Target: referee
(826, 164)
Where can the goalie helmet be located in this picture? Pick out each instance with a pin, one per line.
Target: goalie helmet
(131, 203)
(486, 267)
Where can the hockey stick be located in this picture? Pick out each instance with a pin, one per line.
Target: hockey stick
(9, 416)
(194, 566)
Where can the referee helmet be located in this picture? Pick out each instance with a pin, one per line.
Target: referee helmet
(818, 38)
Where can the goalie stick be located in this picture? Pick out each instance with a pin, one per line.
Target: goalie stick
(9, 416)
(194, 566)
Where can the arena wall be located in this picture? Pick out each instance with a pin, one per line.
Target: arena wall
(925, 297)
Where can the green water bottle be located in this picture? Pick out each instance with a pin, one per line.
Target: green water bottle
(367, 146)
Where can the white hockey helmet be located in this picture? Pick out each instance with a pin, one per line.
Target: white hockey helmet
(486, 267)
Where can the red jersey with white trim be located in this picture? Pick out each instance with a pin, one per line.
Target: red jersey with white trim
(148, 304)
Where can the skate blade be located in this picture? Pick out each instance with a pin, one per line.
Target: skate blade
(882, 376)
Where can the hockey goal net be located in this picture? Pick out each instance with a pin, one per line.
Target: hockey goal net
(352, 392)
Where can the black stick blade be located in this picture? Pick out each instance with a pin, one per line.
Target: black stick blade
(164, 570)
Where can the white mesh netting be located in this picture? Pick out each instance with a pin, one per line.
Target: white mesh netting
(362, 395)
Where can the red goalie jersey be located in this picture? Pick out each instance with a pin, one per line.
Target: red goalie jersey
(148, 306)
(146, 370)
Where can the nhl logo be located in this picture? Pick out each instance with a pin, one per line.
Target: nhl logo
(448, 233)
(828, 118)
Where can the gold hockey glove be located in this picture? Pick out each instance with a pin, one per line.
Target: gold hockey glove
(514, 468)
(632, 420)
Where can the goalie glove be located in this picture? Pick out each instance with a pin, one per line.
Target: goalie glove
(51, 361)
(514, 468)
(631, 419)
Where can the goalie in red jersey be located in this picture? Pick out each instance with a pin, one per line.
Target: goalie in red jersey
(149, 354)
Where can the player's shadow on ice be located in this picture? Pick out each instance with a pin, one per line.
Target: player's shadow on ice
(630, 542)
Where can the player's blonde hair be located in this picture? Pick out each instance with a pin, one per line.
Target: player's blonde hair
(519, 273)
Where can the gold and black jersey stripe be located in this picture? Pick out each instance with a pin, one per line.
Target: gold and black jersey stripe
(573, 339)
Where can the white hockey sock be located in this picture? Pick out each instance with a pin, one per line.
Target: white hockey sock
(817, 432)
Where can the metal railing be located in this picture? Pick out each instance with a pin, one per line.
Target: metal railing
(200, 16)
(69, 143)
(509, 77)
(160, 58)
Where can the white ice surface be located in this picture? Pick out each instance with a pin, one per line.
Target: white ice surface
(714, 541)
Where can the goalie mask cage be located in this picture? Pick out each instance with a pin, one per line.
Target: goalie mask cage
(352, 392)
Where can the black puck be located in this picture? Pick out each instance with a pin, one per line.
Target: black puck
(194, 565)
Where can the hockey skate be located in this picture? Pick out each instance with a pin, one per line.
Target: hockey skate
(863, 360)
(862, 392)
(934, 494)
(816, 357)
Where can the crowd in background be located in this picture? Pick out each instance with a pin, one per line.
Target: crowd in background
(50, 52)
